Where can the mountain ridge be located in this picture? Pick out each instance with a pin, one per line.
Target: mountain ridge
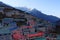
(39, 14)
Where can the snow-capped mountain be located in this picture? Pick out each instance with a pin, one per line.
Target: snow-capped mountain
(44, 16)
(24, 9)
(39, 14)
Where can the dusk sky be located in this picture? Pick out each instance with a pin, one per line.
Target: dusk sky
(50, 7)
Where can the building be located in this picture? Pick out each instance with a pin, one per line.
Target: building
(21, 23)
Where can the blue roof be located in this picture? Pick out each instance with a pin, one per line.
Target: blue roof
(12, 26)
(7, 20)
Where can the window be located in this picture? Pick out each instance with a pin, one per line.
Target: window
(22, 21)
(1, 15)
(31, 39)
(40, 26)
(0, 34)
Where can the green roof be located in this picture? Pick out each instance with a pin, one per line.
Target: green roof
(40, 38)
(4, 31)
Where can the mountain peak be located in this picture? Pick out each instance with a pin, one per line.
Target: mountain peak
(39, 14)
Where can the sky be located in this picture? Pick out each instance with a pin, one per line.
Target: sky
(49, 7)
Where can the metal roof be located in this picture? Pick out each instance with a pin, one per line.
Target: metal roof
(4, 31)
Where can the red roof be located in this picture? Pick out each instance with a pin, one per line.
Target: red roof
(37, 34)
(17, 35)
